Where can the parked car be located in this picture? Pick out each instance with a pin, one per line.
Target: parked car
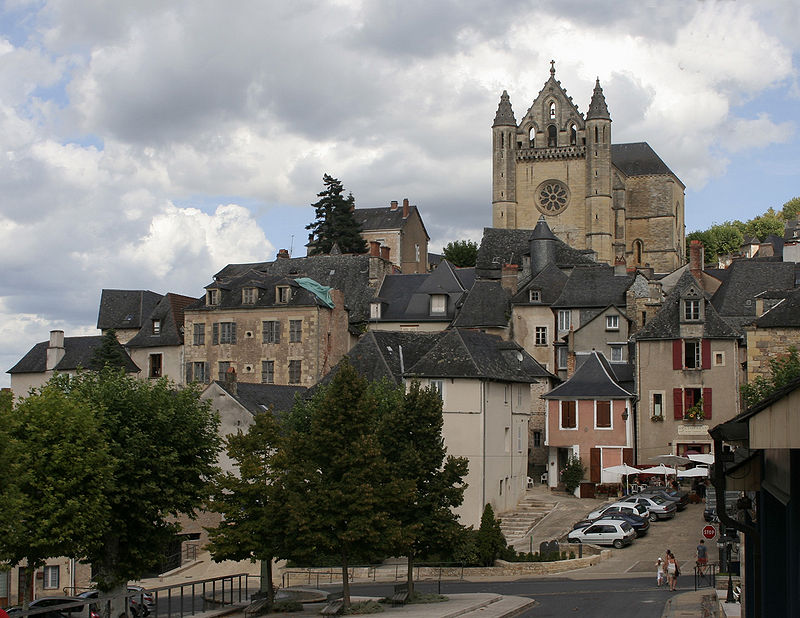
(624, 507)
(640, 524)
(681, 498)
(75, 611)
(135, 605)
(658, 507)
(607, 532)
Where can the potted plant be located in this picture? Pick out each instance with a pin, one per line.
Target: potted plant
(695, 413)
(657, 418)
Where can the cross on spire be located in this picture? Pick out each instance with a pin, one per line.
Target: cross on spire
(552, 67)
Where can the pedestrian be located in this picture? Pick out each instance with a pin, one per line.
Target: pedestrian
(672, 570)
(702, 557)
(661, 576)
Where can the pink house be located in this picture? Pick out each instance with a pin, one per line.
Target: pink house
(590, 416)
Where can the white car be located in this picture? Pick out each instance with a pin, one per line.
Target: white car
(624, 507)
(606, 532)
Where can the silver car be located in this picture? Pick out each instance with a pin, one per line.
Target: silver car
(658, 507)
(606, 532)
(625, 507)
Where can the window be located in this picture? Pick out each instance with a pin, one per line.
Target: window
(638, 248)
(295, 331)
(438, 386)
(537, 438)
(199, 334)
(602, 414)
(564, 319)
(249, 296)
(198, 372)
(534, 296)
(552, 110)
(156, 327)
(295, 371)
(691, 309)
(552, 136)
(719, 359)
(416, 252)
(268, 372)
(271, 332)
(658, 404)
(519, 439)
(438, 304)
(612, 322)
(616, 353)
(644, 318)
(223, 369)
(223, 332)
(691, 356)
(506, 394)
(562, 354)
(282, 294)
(375, 311)
(507, 439)
(569, 418)
(212, 297)
(573, 135)
(51, 578)
(541, 335)
(155, 366)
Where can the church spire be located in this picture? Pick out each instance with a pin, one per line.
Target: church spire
(598, 110)
(505, 115)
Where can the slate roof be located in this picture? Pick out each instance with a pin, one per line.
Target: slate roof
(169, 311)
(594, 379)
(387, 354)
(504, 115)
(746, 279)
(666, 323)
(78, 353)
(257, 398)
(384, 218)
(549, 282)
(347, 273)
(486, 305)
(407, 297)
(125, 308)
(785, 314)
(502, 246)
(639, 159)
(594, 286)
(597, 106)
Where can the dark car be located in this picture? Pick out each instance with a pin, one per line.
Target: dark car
(63, 607)
(137, 608)
(640, 524)
(681, 498)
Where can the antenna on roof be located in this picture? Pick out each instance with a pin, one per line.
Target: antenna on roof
(291, 246)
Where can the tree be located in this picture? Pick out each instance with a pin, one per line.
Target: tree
(791, 209)
(335, 222)
(461, 253)
(720, 239)
(335, 480)
(411, 438)
(489, 540)
(250, 501)
(764, 225)
(783, 369)
(56, 468)
(109, 352)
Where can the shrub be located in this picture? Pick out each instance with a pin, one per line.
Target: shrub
(287, 606)
(490, 542)
(573, 472)
(364, 607)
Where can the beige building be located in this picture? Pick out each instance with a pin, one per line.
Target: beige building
(618, 200)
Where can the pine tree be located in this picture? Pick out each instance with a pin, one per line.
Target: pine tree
(335, 222)
(109, 353)
(490, 540)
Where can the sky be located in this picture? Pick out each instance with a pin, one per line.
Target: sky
(147, 143)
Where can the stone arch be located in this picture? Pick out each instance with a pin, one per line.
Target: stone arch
(573, 134)
(638, 251)
(552, 136)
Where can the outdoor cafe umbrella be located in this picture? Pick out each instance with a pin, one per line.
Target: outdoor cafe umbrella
(623, 469)
(670, 459)
(704, 458)
(660, 469)
(698, 471)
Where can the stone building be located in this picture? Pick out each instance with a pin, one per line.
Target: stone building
(620, 201)
(774, 332)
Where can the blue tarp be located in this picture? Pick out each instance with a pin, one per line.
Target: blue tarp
(323, 292)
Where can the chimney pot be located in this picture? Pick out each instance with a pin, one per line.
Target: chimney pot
(283, 254)
(55, 349)
(393, 205)
(230, 380)
(405, 208)
(385, 253)
(374, 248)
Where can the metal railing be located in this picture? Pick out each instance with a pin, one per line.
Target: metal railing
(318, 576)
(705, 576)
(191, 598)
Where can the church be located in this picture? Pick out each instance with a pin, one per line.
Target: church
(620, 201)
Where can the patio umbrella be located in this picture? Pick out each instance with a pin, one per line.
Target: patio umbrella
(670, 460)
(699, 471)
(623, 469)
(660, 469)
(704, 458)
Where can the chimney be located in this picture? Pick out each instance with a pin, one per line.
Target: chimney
(374, 248)
(385, 253)
(405, 208)
(508, 278)
(570, 364)
(283, 254)
(55, 349)
(620, 270)
(393, 205)
(230, 380)
(696, 258)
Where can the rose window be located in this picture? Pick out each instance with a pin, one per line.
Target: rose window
(552, 197)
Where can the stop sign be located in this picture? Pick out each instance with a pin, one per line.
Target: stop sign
(709, 532)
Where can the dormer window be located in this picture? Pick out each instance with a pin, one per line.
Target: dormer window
(212, 297)
(691, 309)
(249, 296)
(438, 304)
(156, 327)
(534, 296)
(375, 310)
(282, 294)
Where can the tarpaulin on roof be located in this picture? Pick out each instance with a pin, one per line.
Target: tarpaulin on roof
(323, 292)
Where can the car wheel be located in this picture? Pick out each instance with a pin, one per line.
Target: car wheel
(618, 543)
(653, 517)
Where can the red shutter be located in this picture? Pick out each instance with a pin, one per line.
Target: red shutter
(627, 456)
(594, 465)
(707, 403)
(706, 354)
(677, 402)
(677, 354)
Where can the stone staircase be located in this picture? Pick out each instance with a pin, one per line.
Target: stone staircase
(517, 523)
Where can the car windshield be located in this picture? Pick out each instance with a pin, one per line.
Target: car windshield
(658, 500)
(626, 526)
(640, 509)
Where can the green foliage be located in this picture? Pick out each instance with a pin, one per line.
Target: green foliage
(461, 253)
(364, 607)
(720, 239)
(695, 412)
(541, 557)
(109, 352)
(762, 226)
(287, 606)
(335, 222)
(783, 370)
(490, 542)
(572, 474)
(791, 209)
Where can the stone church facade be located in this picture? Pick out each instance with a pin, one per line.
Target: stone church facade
(619, 200)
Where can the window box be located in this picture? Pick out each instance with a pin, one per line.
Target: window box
(657, 418)
(695, 413)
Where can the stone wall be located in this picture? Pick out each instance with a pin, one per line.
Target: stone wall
(764, 344)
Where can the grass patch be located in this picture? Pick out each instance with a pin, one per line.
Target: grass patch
(427, 597)
(364, 607)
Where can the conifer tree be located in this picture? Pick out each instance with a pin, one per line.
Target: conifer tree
(335, 222)
(110, 352)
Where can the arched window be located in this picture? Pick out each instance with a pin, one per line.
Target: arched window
(502, 140)
(595, 135)
(552, 136)
(532, 137)
(552, 110)
(573, 134)
(637, 251)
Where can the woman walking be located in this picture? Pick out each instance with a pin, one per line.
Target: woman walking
(672, 570)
